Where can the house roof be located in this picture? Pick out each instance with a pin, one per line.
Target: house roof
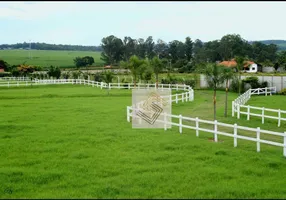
(233, 63)
(107, 67)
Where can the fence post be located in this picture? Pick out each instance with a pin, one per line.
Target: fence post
(180, 124)
(190, 96)
(258, 139)
(109, 86)
(263, 115)
(215, 130)
(165, 121)
(235, 135)
(284, 148)
(248, 112)
(176, 98)
(169, 85)
(279, 117)
(232, 109)
(26, 83)
(197, 126)
(17, 83)
(265, 91)
(238, 110)
(128, 114)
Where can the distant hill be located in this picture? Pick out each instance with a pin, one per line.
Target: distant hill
(44, 46)
(280, 43)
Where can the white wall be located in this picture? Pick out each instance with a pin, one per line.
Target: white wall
(278, 81)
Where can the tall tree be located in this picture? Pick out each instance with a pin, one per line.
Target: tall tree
(227, 75)
(150, 47)
(113, 50)
(157, 66)
(129, 47)
(240, 62)
(214, 76)
(189, 48)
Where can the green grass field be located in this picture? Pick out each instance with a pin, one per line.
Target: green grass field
(46, 58)
(73, 141)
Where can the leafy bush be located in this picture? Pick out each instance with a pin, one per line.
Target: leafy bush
(98, 77)
(253, 81)
(54, 72)
(190, 82)
(283, 91)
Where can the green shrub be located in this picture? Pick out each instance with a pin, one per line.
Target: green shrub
(283, 91)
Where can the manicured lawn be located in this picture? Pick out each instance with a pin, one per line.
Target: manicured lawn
(73, 141)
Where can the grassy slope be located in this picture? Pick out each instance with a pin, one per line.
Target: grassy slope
(74, 142)
(46, 58)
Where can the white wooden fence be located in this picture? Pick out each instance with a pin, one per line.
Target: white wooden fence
(215, 131)
(187, 95)
(239, 103)
(15, 78)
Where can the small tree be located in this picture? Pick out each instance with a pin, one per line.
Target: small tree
(214, 75)
(134, 65)
(240, 63)
(54, 72)
(147, 75)
(108, 77)
(227, 75)
(157, 65)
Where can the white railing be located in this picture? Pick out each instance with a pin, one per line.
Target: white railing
(187, 95)
(215, 130)
(239, 103)
(15, 78)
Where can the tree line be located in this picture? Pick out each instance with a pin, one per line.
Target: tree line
(44, 46)
(187, 55)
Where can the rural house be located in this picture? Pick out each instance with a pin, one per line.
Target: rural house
(249, 66)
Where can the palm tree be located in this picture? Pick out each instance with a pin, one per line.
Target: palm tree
(157, 65)
(240, 61)
(134, 65)
(214, 77)
(227, 75)
(108, 77)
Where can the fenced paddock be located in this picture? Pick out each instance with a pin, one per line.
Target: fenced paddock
(239, 107)
(186, 95)
(273, 138)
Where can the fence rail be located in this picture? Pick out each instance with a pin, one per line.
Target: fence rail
(187, 95)
(234, 134)
(240, 102)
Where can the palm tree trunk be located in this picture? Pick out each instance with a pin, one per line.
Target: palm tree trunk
(157, 82)
(239, 83)
(226, 95)
(214, 98)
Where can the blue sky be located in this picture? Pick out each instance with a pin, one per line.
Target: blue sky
(86, 23)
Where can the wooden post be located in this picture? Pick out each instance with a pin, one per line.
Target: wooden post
(128, 115)
(263, 115)
(232, 109)
(258, 139)
(197, 126)
(238, 110)
(279, 117)
(215, 130)
(165, 121)
(176, 98)
(265, 91)
(180, 124)
(235, 135)
(248, 112)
